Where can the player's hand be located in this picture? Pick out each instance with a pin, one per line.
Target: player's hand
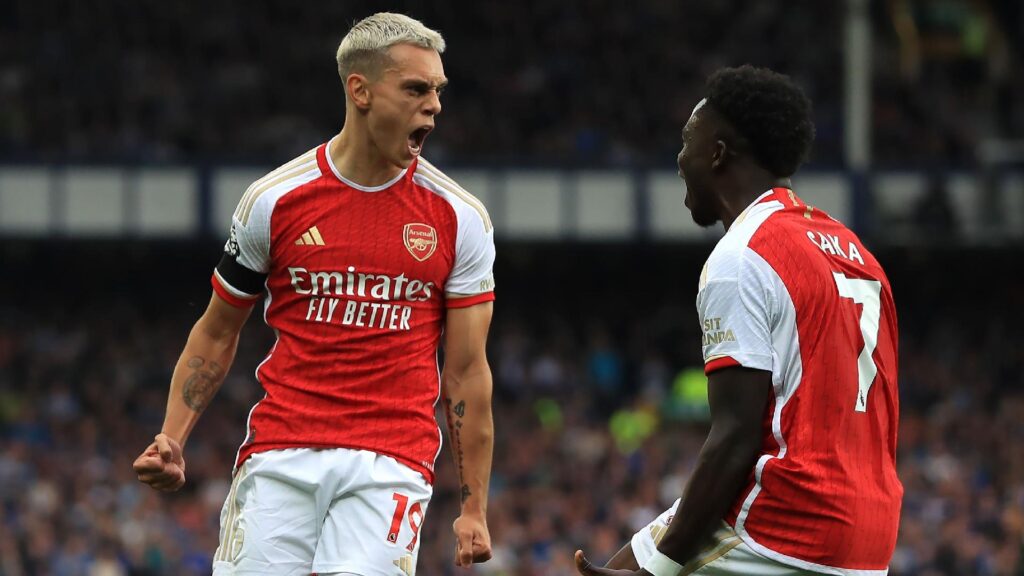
(161, 465)
(472, 540)
(584, 567)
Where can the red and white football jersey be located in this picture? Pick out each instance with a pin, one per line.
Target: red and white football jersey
(792, 291)
(357, 280)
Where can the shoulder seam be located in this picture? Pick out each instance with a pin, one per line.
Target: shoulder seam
(441, 186)
(245, 215)
(298, 166)
(441, 180)
(733, 244)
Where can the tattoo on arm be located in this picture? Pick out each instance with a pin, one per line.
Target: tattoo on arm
(202, 384)
(455, 415)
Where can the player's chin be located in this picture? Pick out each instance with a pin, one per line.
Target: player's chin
(703, 220)
(407, 155)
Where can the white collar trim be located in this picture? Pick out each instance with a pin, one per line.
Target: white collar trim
(350, 183)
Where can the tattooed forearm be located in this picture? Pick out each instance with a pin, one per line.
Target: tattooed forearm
(202, 384)
(455, 415)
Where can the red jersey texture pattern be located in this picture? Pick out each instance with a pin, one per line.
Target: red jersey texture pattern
(357, 280)
(792, 291)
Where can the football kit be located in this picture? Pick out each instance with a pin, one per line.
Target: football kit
(356, 282)
(791, 291)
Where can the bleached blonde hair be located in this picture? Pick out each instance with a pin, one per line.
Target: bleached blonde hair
(365, 48)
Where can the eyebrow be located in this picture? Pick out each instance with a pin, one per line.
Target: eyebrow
(419, 83)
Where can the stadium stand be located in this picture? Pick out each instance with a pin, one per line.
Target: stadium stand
(84, 367)
(585, 83)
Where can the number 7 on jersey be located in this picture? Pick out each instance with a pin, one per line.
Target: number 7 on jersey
(866, 293)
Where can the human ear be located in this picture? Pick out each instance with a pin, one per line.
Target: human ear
(720, 153)
(358, 89)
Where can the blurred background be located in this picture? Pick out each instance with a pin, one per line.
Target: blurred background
(129, 130)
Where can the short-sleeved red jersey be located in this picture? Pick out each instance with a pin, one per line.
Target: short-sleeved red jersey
(357, 280)
(792, 291)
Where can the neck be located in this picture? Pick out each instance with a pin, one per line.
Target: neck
(357, 157)
(745, 189)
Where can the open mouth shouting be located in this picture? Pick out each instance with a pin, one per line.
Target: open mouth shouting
(417, 137)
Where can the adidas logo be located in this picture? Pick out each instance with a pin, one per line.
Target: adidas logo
(406, 564)
(310, 237)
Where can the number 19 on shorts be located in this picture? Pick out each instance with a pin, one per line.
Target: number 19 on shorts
(415, 514)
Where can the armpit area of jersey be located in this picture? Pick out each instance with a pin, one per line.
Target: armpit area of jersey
(235, 283)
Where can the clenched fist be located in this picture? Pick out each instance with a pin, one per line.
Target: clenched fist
(472, 540)
(161, 465)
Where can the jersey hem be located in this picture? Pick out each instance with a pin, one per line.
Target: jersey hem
(804, 564)
(225, 293)
(467, 301)
(246, 452)
(348, 568)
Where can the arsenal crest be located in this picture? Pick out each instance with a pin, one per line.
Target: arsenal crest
(420, 240)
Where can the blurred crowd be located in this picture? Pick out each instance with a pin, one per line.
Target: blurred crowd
(589, 83)
(597, 407)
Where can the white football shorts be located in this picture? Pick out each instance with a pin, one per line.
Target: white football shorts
(299, 511)
(725, 555)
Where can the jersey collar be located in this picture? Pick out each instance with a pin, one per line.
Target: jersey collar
(780, 194)
(326, 156)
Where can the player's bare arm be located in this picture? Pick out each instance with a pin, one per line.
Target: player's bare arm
(198, 375)
(737, 398)
(466, 389)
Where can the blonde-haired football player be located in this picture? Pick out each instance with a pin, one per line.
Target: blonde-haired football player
(366, 254)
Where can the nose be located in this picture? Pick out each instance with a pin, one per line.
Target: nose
(433, 104)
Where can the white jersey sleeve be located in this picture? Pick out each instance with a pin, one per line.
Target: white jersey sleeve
(241, 275)
(737, 309)
(473, 272)
(471, 280)
(253, 237)
(242, 271)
